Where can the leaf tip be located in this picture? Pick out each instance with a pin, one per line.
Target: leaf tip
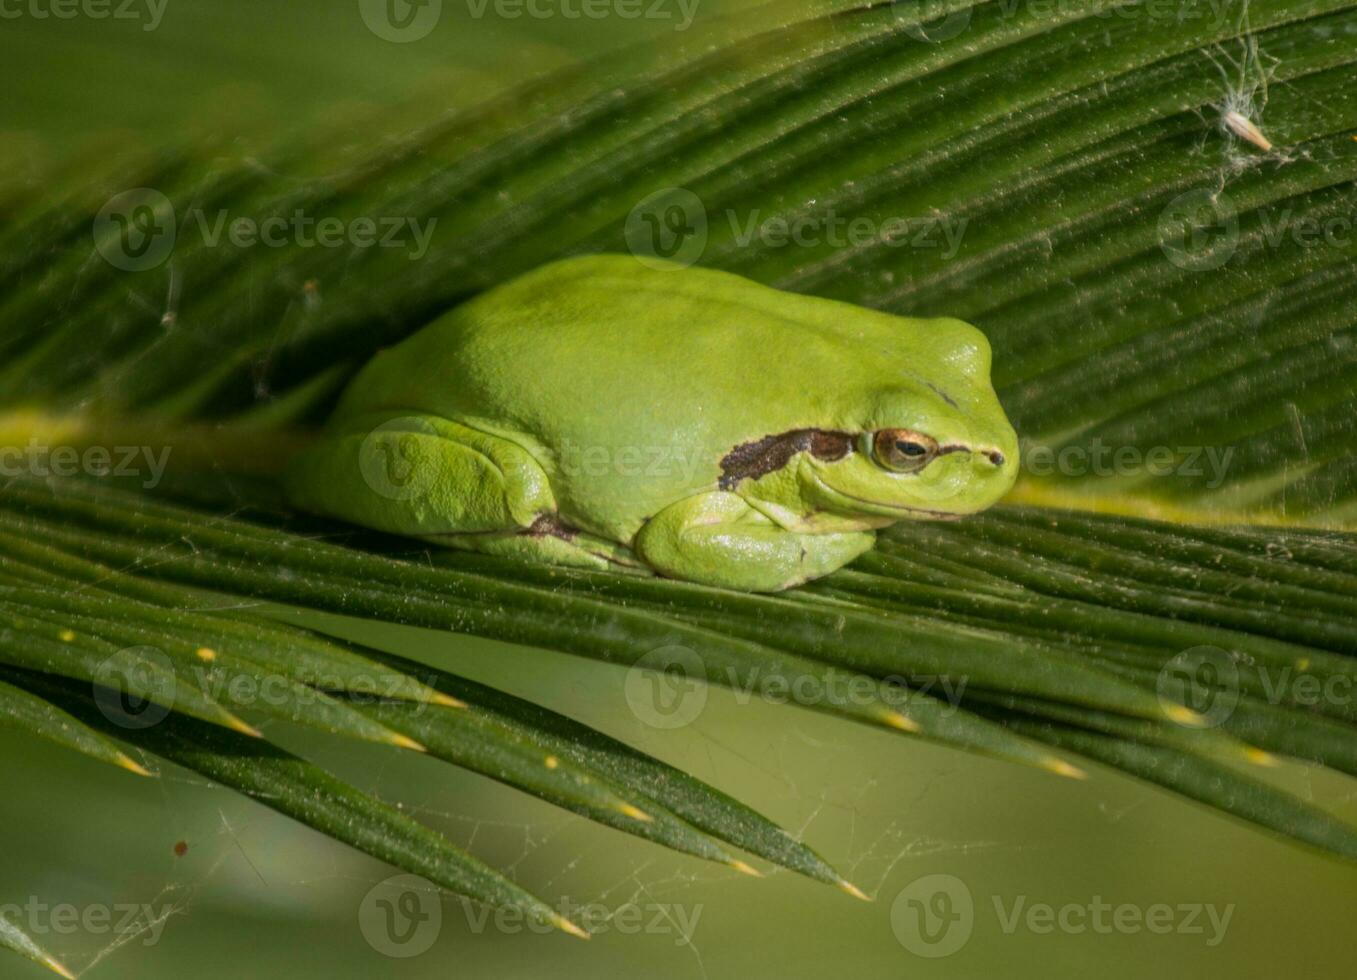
(898, 721)
(240, 725)
(1183, 715)
(1062, 768)
(405, 742)
(132, 765)
(849, 888)
(56, 966)
(566, 926)
(1261, 758)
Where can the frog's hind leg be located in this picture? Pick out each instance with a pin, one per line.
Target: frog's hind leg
(421, 476)
(448, 484)
(549, 540)
(718, 539)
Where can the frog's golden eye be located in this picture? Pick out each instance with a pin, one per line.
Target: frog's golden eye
(903, 450)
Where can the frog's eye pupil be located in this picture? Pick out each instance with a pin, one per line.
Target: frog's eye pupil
(904, 450)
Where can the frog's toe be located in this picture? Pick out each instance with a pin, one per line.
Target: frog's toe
(549, 540)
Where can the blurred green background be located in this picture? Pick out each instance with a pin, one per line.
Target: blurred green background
(255, 895)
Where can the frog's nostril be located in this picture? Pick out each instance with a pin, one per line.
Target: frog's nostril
(995, 457)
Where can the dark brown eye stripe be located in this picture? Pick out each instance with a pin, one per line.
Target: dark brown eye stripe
(993, 455)
(751, 460)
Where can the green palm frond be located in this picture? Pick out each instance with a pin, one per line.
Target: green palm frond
(1138, 266)
(1038, 666)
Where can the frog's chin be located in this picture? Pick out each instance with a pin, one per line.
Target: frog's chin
(853, 504)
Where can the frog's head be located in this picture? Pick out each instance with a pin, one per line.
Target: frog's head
(929, 444)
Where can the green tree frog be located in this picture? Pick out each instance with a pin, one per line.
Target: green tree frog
(677, 421)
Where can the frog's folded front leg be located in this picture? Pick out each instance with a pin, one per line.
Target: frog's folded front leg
(718, 539)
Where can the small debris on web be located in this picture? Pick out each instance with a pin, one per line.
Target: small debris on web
(1245, 80)
(1244, 128)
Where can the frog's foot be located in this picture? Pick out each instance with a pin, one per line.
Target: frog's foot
(718, 539)
(549, 540)
(422, 476)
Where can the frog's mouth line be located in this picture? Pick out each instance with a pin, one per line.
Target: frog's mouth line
(937, 515)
